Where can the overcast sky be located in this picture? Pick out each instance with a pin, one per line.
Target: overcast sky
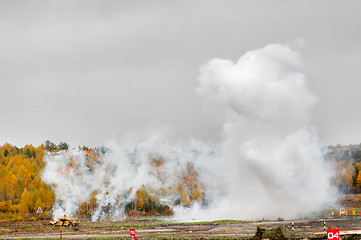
(86, 72)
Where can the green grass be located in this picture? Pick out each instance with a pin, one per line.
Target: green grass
(195, 223)
(145, 224)
(38, 238)
(25, 226)
(155, 236)
(230, 221)
(109, 238)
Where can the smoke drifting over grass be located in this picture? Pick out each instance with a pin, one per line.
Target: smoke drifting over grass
(268, 164)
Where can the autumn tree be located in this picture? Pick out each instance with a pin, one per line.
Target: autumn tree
(184, 197)
(25, 202)
(21, 188)
(50, 146)
(6, 153)
(357, 155)
(354, 178)
(63, 146)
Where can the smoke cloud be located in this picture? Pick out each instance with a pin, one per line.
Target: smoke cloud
(114, 177)
(268, 164)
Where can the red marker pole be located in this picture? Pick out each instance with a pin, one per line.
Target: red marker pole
(132, 233)
(61, 234)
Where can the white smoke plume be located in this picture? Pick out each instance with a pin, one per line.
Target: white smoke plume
(117, 174)
(269, 163)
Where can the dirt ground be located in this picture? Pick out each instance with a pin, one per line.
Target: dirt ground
(144, 228)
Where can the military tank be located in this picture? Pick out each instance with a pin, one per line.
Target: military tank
(65, 221)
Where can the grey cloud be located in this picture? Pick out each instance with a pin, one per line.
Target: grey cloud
(84, 71)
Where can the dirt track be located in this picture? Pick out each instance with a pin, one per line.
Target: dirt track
(40, 229)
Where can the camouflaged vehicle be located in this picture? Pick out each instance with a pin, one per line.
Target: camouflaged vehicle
(65, 221)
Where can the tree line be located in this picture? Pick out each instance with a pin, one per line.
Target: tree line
(347, 166)
(22, 190)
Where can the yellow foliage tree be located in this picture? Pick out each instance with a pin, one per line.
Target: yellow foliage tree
(21, 187)
(184, 197)
(197, 194)
(359, 182)
(25, 202)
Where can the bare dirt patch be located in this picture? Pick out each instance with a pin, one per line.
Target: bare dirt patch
(160, 229)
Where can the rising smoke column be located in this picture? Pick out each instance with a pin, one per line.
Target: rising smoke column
(268, 163)
(271, 163)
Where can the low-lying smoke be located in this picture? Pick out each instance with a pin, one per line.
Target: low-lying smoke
(268, 164)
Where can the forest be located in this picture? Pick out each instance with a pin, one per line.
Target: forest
(22, 190)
